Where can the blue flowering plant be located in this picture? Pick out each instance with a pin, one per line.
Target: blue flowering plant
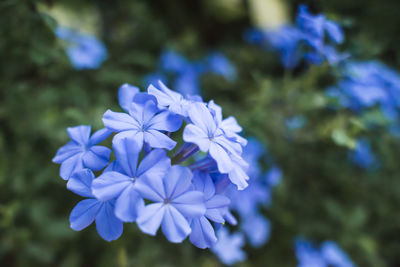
(151, 180)
(313, 39)
(185, 75)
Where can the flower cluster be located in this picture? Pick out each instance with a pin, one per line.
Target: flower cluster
(313, 39)
(368, 84)
(184, 194)
(84, 51)
(329, 254)
(185, 74)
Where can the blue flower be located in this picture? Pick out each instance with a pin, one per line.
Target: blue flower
(175, 203)
(362, 155)
(220, 65)
(120, 182)
(328, 255)
(257, 228)
(171, 61)
(187, 82)
(287, 41)
(144, 123)
(334, 255)
(307, 255)
(204, 132)
(82, 151)
(229, 247)
(86, 211)
(169, 99)
(203, 235)
(84, 51)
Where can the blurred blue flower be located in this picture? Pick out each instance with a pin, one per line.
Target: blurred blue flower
(328, 255)
(175, 203)
(309, 40)
(368, 84)
(84, 51)
(86, 211)
(362, 155)
(171, 61)
(82, 151)
(220, 65)
(229, 247)
(257, 228)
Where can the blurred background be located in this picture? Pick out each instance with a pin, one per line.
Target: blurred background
(340, 165)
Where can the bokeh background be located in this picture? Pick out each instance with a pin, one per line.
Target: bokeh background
(323, 195)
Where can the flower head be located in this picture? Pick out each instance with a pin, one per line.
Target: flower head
(82, 151)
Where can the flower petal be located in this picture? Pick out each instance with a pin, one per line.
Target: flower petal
(158, 140)
(174, 226)
(177, 181)
(195, 135)
(84, 213)
(150, 218)
(80, 134)
(190, 204)
(99, 136)
(126, 94)
(117, 121)
(201, 116)
(97, 157)
(202, 235)
(128, 204)
(127, 151)
(203, 183)
(109, 185)
(166, 121)
(108, 226)
(67, 151)
(81, 183)
(71, 165)
(155, 164)
(222, 158)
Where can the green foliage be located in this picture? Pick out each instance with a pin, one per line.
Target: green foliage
(322, 195)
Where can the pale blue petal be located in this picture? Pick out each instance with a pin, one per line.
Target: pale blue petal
(230, 124)
(201, 116)
(190, 204)
(81, 183)
(166, 121)
(177, 181)
(117, 121)
(151, 188)
(126, 94)
(155, 164)
(158, 140)
(97, 157)
(202, 235)
(174, 226)
(150, 218)
(80, 134)
(222, 158)
(203, 183)
(99, 136)
(84, 213)
(108, 226)
(127, 152)
(143, 111)
(165, 96)
(138, 136)
(67, 151)
(70, 166)
(109, 185)
(128, 204)
(195, 135)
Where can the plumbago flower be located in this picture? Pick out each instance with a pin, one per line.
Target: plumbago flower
(313, 38)
(181, 194)
(329, 254)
